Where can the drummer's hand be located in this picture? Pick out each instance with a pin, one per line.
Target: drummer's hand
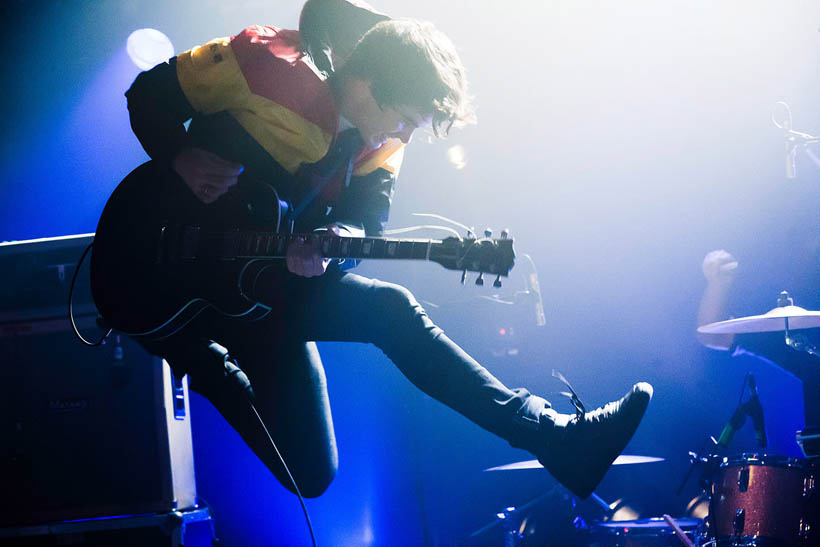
(719, 267)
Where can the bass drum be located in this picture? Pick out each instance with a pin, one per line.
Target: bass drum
(651, 532)
(760, 500)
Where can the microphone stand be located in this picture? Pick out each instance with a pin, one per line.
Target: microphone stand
(696, 461)
(751, 408)
(794, 139)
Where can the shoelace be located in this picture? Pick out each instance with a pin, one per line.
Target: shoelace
(580, 409)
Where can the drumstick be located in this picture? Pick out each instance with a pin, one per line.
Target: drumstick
(681, 536)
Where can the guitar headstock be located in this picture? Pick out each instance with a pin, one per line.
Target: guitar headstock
(472, 254)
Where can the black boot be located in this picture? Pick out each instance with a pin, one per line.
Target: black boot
(580, 448)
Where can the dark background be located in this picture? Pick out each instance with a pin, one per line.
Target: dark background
(619, 142)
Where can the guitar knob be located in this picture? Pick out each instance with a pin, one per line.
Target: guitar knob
(505, 233)
(488, 233)
(480, 279)
(497, 282)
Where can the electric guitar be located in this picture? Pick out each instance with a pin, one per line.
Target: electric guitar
(161, 256)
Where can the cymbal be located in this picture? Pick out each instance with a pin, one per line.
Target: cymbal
(623, 459)
(771, 321)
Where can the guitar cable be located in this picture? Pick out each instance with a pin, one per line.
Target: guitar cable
(71, 304)
(232, 372)
(239, 380)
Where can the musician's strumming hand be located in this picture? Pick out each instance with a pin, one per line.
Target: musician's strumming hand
(207, 175)
(304, 256)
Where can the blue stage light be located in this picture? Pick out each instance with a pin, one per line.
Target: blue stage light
(148, 47)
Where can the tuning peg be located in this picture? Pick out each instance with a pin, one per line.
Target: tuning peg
(497, 282)
(488, 233)
(480, 279)
(505, 233)
(464, 277)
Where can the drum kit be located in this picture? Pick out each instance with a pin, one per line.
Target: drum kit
(754, 499)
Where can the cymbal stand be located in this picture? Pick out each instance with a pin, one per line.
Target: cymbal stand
(797, 342)
(512, 518)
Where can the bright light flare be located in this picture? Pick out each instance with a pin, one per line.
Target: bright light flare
(457, 156)
(148, 47)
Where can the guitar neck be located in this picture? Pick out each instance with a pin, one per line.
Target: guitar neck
(236, 245)
(190, 243)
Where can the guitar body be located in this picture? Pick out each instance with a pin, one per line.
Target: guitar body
(138, 285)
(161, 257)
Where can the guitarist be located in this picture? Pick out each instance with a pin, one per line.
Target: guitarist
(332, 146)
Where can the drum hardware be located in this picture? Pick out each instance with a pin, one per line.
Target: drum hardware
(510, 520)
(739, 521)
(650, 532)
(809, 440)
(623, 459)
(566, 510)
(680, 534)
(808, 486)
(519, 523)
(707, 465)
(758, 499)
(696, 462)
(786, 317)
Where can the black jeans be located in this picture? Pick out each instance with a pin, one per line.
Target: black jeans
(279, 355)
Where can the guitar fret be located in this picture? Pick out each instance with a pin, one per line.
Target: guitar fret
(355, 250)
(268, 241)
(405, 249)
(452, 254)
(390, 248)
(418, 249)
(367, 248)
(325, 243)
(335, 245)
(378, 248)
(259, 238)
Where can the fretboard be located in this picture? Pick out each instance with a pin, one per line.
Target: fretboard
(247, 245)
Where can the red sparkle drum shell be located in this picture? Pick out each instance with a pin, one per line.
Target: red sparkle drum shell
(651, 532)
(764, 498)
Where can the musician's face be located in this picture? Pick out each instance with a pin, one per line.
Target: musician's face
(377, 124)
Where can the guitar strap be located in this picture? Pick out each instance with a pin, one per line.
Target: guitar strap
(342, 154)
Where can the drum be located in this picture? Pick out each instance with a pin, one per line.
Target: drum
(760, 500)
(652, 532)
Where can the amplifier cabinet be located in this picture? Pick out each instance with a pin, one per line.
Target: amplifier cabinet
(84, 431)
(190, 528)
